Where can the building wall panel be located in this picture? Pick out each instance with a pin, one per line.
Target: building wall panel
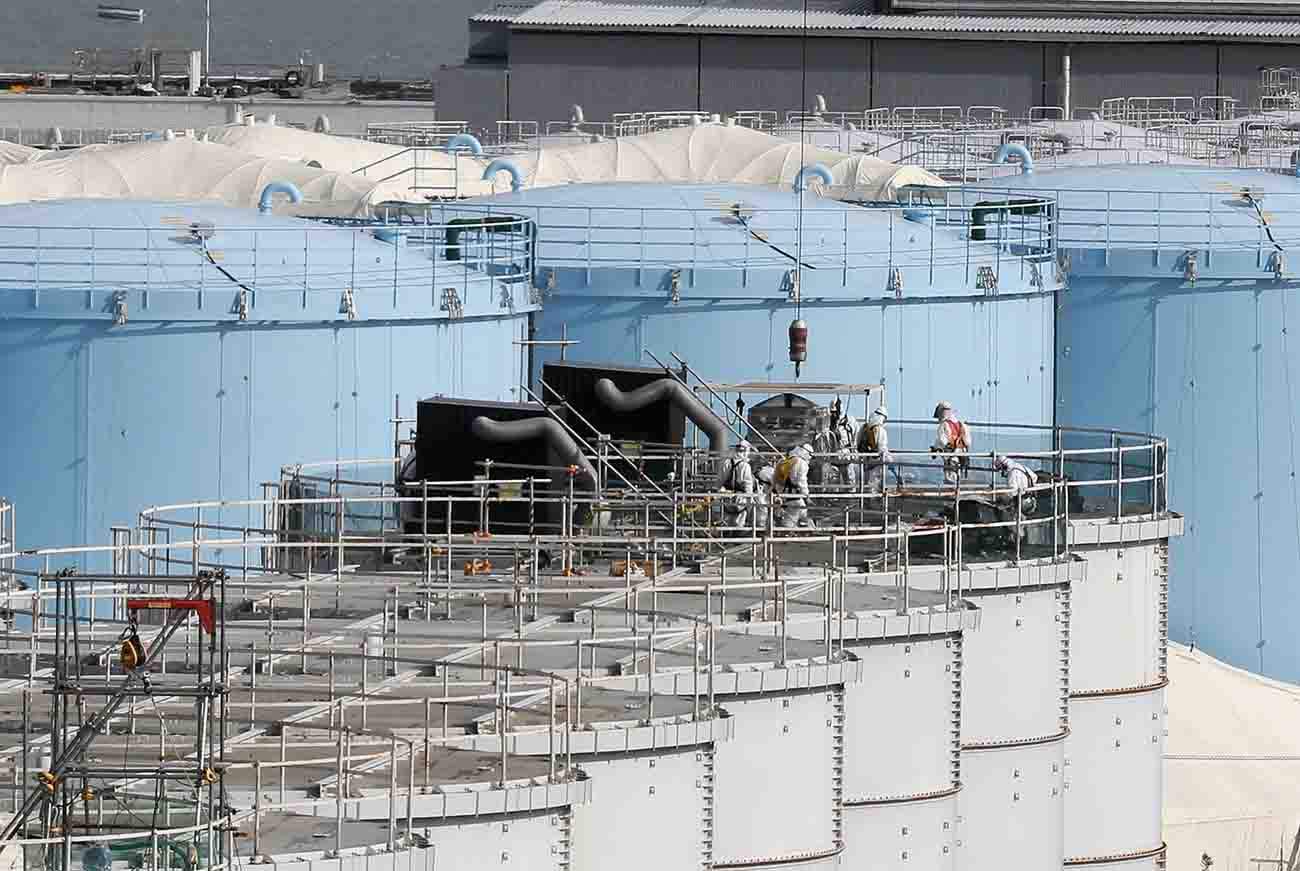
(753, 72)
(919, 72)
(479, 95)
(604, 74)
(1100, 71)
(1239, 68)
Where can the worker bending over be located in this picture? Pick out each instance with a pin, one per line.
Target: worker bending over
(790, 485)
(1020, 480)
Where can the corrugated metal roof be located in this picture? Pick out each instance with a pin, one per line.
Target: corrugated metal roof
(504, 11)
(707, 15)
(1205, 28)
(852, 15)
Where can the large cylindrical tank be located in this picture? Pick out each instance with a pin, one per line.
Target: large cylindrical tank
(152, 352)
(1177, 322)
(933, 299)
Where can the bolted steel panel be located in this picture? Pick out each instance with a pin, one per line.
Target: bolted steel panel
(774, 789)
(1011, 807)
(1114, 775)
(902, 836)
(1115, 615)
(650, 812)
(893, 757)
(1013, 667)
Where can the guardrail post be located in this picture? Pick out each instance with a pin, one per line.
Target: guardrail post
(1119, 476)
(257, 810)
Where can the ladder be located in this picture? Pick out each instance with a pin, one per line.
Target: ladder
(837, 765)
(1162, 577)
(706, 808)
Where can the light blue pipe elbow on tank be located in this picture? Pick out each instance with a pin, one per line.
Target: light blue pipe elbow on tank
(506, 166)
(264, 202)
(465, 141)
(814, 169)
(1015, 148)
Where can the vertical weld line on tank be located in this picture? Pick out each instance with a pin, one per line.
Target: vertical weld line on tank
(251, 338)
(1259, 486)
(221, 419)
(356, 391)
(1286, 369)
(1189, 381)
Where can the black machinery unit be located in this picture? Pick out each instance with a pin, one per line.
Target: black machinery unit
(448, 449)
(659, 423)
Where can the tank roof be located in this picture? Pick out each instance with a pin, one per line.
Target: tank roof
(1113, 217)
(734, 240)
(289, 268)
(1140, 177)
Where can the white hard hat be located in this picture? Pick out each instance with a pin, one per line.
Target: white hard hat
(943, 406)
(742, 447)
(1000, 462)
(765, 474)
(882, 411)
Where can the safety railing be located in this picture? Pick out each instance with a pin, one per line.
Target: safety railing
(936, 230)
(470, 256)
(1140, 218)
(424, 170)
(328, 510)
(415, 133)
(8, 539)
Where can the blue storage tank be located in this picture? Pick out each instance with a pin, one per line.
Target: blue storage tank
(938, 300)
(155, 352)
(1176, 322)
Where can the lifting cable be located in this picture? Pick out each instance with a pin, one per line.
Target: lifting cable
(803, 144)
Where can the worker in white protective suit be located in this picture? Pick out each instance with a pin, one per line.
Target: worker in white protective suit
(834, 449)
(874, 441)
(790, 483)
(953, 438)
(1020, 480)
(736, 476)
(846, 436)
(763, 498)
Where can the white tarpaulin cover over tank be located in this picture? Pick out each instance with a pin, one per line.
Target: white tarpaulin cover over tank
(181, 169)
(337, 153)
(717, 153)
(1232, 764)
(12, 152)
(707, 153)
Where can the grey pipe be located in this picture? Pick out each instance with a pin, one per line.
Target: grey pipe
(512, 431)
(676, 393)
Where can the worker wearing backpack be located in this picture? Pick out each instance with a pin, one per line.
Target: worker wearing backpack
(953, 438)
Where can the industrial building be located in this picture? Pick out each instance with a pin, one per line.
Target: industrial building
(531, 61)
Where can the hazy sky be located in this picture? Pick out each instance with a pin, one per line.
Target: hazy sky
(399, 38)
